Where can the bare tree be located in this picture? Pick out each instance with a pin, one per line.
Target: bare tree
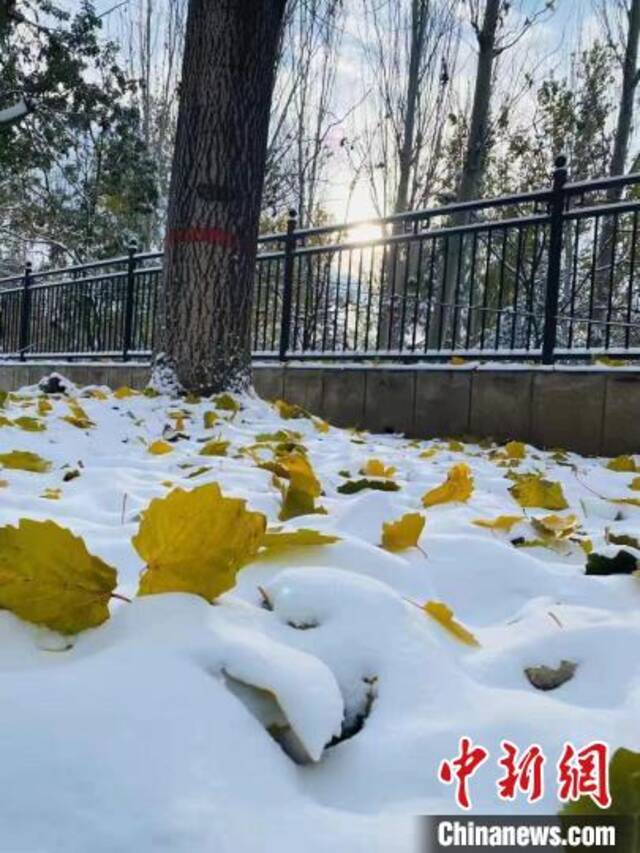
(154, 37)
(491, 22)
(410, 50)
(624, 32)
(625, 35)
(228, 71)
(304, 114)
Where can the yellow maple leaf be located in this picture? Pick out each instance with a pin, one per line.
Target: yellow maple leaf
(625, 464)
(210, 418)
(320, 425)
(515, 450)
(429, 453)
(275, 540)
(586, 545)
(443, 615)
(123, 392)
(502, 522)
(628, 501)
(29, 424)
(160, 448)
(198, 471)
(300, 473)
(288, 411)
(24, 460)
(457, 487)
(376, 468)
(455, 446)
(610, 362)
(44, 406)
(532, 490)
(78, 417)
(226, 403)
(555, 526)
(179, 414)
(280, 436)
(196, 542)
(275, 468)
(52, 494)
(95, 394)
(404, 533)
(48, 577)
(303, 487)
(215, 448)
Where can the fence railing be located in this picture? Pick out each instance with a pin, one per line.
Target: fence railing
(549, 274)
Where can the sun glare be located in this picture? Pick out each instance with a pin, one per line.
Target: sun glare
(365, 233)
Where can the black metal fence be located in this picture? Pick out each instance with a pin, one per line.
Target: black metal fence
(550, 274)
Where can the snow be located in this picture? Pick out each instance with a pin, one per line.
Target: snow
(14, 112)
(150, 732)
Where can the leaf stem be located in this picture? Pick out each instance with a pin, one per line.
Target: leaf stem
(120, 597)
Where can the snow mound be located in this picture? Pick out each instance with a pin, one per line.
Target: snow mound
(313, 703)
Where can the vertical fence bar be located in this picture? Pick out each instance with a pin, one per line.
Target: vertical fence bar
(25, 312)
(287, 287)
(554, 264)
(128, 300)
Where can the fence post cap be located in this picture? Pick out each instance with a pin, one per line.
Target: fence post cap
(28, 266)
(560, 162)
(292, 221)
(133, 246)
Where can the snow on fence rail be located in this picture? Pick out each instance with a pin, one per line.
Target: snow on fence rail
(539, 275)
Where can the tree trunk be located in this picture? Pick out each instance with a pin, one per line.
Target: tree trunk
(470, 184)
(216, 186)
(394, 277)
(605, 257)
(475, 155)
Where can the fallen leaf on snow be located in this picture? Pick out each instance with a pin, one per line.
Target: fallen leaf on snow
(404, 533)
(457, 487)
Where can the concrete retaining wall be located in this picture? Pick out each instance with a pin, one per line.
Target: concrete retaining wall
(592, 411)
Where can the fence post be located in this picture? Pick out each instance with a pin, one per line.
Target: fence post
(554, 265)
(287, 291)
(25, 312)
(128, 300)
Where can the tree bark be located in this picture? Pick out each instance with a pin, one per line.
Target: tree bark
(475, 154)
(390, 324)
(605, 257)
(472, 174)
(629, 85)
(216, 186)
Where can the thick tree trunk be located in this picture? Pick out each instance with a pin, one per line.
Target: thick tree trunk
(470, 184)
(605, 256)
(216, 186)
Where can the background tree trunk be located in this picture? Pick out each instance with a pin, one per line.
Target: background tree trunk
(470, 184)
(216, 186)
(394, 276)
(630, 79)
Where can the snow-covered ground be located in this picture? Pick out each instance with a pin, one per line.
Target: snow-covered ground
(143, 735)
